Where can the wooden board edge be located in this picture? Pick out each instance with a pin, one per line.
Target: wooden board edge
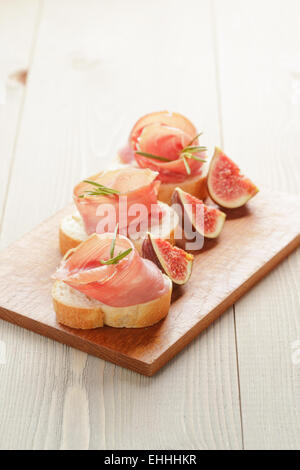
(222, 307)
(76, 342)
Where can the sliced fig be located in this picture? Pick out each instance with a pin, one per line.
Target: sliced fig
(174, 262)
(226, 185)
(205, 220)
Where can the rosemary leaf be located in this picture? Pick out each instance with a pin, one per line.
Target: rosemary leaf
(117, 258)
(193, 149)
(194, 157)
(94, 183)
(188, 170)
(199, 159)
(113, 243)
(100, 190)
(102, 187)
(196, 137)
(155, 157)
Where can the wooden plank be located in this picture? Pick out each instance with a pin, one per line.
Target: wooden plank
(246, 251)
(259, 45)
(89, 81)
(17, 25)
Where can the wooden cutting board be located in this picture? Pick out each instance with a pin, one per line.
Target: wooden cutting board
(254, 240)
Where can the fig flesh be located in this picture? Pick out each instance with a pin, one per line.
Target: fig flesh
(226, 185)
(174, 262)
(205, 220)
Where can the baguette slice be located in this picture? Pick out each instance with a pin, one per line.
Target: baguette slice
(76, 310)
(72, 231)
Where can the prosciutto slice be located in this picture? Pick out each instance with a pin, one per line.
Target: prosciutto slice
(118, 285)
(167, 142)
(101, 213)
(165, 134)
(163, 118)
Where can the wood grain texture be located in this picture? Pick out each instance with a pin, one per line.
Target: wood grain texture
(254, 240)
(259, 50)
(85, 89)
(22, 378)
(17, 27)
(77, 111)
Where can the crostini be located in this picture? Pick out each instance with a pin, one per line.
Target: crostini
(127, 197)
(104, 281)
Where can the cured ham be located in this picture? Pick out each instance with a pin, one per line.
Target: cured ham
(163, 118)
(118, 285)
(167, 142)
(101, 213)
(165, 134)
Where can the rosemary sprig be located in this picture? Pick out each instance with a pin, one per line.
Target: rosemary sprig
(187, 167)
(155, 157)
(194, 148)
(113, 243)
(186, 153)
(190, 150)
(190, 155)
(101, 187)
(117, 258)
(100, 190)
(196, 137)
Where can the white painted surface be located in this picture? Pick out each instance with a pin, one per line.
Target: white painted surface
(95, 67)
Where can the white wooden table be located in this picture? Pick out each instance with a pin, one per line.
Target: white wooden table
(94, 66)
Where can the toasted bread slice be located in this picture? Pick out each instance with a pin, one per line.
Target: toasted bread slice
(195, 185)
(72, 231)
(76, 310)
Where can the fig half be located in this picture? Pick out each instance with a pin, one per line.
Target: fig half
(202, 219)
(226, 185)
(174, 262)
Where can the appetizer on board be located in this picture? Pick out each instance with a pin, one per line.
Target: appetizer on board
(104, 281)
(127, 197)
(169, 144)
